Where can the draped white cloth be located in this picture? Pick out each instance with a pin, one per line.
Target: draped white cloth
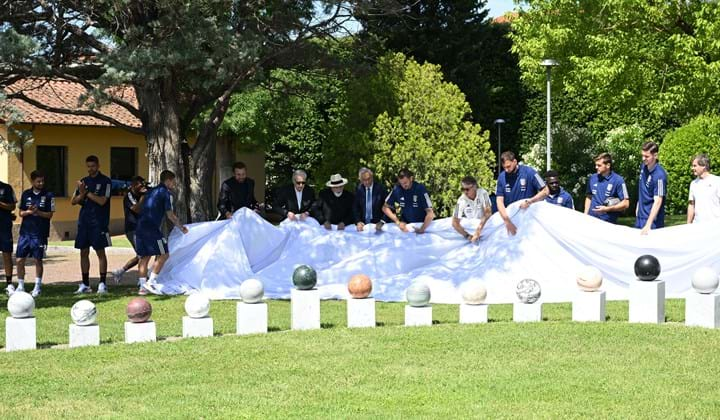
(551, 245)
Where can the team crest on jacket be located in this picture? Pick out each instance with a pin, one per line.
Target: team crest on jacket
(609, 187)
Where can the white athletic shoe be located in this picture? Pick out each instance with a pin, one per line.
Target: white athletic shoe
(83, 289)
(142, 291)
(10, 289)
(117, 275)
(102, 289)
(35, 291)
(151, 285)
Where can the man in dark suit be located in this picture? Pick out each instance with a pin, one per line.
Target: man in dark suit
(236, 192)
(335, 205)
(369, 200)
(297, 201)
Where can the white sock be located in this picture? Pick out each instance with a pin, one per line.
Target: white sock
(38, 282)
(21, 282)
(120, 271)
(141, 281)
(153, 276)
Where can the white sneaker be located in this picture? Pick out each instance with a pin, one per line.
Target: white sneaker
(83, 289)
(35, 291)
(117, 275)
(10, 289)
(143, 291)
(20, 288)
(150, 286)
(102, 289)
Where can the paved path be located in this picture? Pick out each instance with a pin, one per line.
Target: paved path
(62, 266)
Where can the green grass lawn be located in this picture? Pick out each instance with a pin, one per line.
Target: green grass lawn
(552, 369)
(119, 241)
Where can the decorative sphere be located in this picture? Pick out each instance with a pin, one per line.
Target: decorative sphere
(83, 312)
(252, 291)
(647, 268)
(197, 305)
(21, 305)
(474, 292)
(360, 286)
(304, 277)
(705, 280)
(589, 278)
(138, 310)
(418, 294)
(528, 291)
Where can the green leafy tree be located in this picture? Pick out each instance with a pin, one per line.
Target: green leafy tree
(473, 52)
(700, 135)
(184, 59)
(623, 62)
(429, 133)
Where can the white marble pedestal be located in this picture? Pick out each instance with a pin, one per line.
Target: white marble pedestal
(527, 312)
(197, 327)
(20, 333)
(702, 310)
(588, 306)
(361, 313)
(473, 314)
(418, 316)
(141, 332)
(647, 302)
(84, 335)
(252, 318)
(305, 309)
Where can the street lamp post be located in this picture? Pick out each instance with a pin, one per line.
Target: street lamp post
(548, 63)
(499, 122)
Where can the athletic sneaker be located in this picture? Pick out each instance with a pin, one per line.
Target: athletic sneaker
(117, 275)
(10, 289)
(102, 289)
(83, 289)
(143, 291)
(35, 291)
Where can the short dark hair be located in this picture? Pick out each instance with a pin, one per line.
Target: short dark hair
(702, 160)
(605, 157)
(650, 146)
(405, 173)
(166, 174)
(92, 158)
(469, 180)
(36, 174)
(552, 174)
(137, 179)
(239, 165)
(505, 156)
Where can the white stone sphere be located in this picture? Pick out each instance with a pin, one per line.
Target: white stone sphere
(589, 278)
(252, 291)
(83, 312)
(528, 291)
(197, 305)
(418, 294)
(473, 292)
(21, 305)
(705, 280)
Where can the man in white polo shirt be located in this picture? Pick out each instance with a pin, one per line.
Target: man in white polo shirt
(704, 205)
(474, 203)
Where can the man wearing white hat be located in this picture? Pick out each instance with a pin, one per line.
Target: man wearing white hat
(335, 205)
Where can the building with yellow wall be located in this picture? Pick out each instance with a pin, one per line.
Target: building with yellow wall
(61, 142)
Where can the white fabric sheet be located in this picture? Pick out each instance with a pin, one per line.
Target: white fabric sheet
(551, 245)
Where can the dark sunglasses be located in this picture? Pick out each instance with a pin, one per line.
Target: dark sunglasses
(300, 182)
(467, 189)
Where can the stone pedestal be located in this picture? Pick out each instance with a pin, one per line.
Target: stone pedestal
(20, 333)
(473, 314)
(418, 316)
(647, 302)
(361, 313)
(305, 309)
(527, 312)
(251, 318)
(702, 310)
(84, 335)
(141, 332)
(588, 306)
(197, 327)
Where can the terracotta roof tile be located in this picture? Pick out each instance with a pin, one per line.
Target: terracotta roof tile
(68, 95)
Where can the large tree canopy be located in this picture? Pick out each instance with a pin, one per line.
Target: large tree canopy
(183, 58)
(623, 62)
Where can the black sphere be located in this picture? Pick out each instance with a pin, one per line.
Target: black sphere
(647, 268)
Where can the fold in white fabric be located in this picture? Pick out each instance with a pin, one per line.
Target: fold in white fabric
(551, 246)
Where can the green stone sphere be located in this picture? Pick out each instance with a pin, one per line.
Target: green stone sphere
(304, 277)
(418, 294)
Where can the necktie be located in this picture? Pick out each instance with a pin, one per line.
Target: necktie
(368, 205)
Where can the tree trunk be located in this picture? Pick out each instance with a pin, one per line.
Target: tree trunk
(202, 168)
(161, 122)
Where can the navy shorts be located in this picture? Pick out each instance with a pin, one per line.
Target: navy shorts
(130, 235)
(150, 243)
(6, 239)
(657, 224)
(92, 236)
(32, 247)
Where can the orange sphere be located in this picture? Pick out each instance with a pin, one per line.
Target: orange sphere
(360, 286)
